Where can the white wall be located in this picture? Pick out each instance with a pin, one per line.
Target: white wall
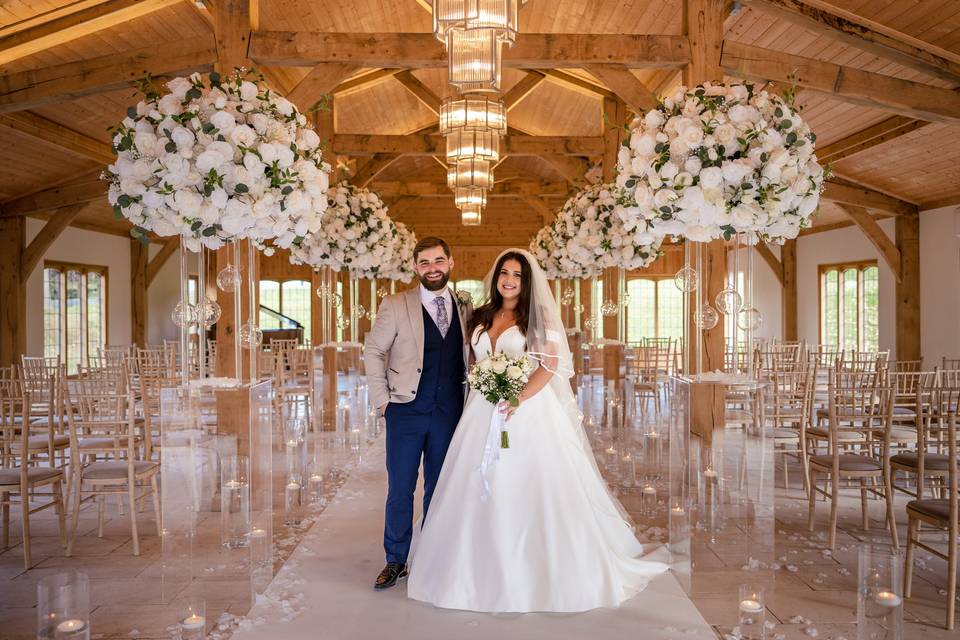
(767, 292)
(85, 247)
(939, 286)
(162, 298)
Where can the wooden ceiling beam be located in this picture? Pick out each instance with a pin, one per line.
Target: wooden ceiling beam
(512, 188)
(320, 81)
(884, 245)
(428, 144)
(420, 91)
(423, 50)
(891, 46)
(847, 193)
(522, 89)
(846, 84)
(87, 188)
(890, 129)
(74, 143)
(57, 83)
(170, 246)
(577, 83)
(627, 86)
(77, 24)
(364, 81)
(936, 203)
(773, 261)
(372, 168)
(234, 21)
(46, 237)
(537, 204)
(573, 169)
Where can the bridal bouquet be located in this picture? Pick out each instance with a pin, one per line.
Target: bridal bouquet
(716, 160)
(216, 160)
(501, 378)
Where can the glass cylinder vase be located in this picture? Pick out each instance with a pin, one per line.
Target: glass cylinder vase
(296, 468)
(234, 501)
(880, 594)
(63, 606)
(751, 612)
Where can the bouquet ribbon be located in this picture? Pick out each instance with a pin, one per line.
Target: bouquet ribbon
(491, 450)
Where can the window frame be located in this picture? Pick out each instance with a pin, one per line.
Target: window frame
(307, 329)
(841, 267)
(656, 279)
(63, 268)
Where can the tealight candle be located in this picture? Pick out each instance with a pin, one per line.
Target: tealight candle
(650, 490)
(709, 473)
(887, 599)
(258, 533)
(677, 511)
(71, 627)
(750, 606)
(232, 484)
(316, 477)
(293, 486)
(193, 621)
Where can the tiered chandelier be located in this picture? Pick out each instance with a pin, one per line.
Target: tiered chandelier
(474, 32)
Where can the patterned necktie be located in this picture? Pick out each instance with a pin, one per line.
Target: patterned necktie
(443, 323)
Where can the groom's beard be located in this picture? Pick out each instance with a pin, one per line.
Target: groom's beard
(434, 285)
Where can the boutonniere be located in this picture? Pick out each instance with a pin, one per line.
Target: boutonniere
(464, 299)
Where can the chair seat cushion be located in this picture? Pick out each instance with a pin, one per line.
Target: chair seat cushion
(904, 412)
(39, 443)
(783, 433)
(848, 462)
(842, 434)
(899, 434)
(116, 470)
(933, 508)
(11, 476)
(931, 461)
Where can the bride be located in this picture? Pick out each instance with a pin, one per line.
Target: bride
(536, 528)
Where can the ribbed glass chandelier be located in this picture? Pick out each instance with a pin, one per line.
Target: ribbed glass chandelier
(471, 215)
(474, 32)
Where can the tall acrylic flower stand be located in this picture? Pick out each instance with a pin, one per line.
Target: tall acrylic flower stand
(217, 500)
(721, 484)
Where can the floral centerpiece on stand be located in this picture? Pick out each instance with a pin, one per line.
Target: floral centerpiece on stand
(591, 233)
(216, 160)
(400, 265)
(717, 160)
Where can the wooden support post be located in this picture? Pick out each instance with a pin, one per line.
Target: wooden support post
(139, 257)
(788, 258)
(908, 288)
(366, 300)
(614, 119)
(13, 311)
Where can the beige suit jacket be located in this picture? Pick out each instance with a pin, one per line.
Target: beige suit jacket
(393, 352)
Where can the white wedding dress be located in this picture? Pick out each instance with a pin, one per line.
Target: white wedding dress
(548, 537)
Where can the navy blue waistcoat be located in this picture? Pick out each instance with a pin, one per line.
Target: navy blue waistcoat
(441, 381)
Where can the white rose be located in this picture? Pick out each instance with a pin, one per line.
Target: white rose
(692, 165)
(308, 139)
(669, 171)
(711, 177)
(499, 366)
(653, 119)
(643, 145)
(209, 159)
(183, 138)
(179, 87)
(242, 135)
(169, 105)
(224, 121)
(692, 135)
(725, 135)
(187, 202)
(485, 364)
(248, 90)
(664, 197)
(146, 143)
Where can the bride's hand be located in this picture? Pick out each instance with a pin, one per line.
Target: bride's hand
(507, 410)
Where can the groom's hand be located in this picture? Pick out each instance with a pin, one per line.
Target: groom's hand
(382, 410)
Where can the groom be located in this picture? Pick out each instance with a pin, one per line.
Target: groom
(415, 359)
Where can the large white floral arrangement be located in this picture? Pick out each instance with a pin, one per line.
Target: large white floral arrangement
(355, 233)
(591, 233)
(217, 160)
(721, 159)
(400, 265)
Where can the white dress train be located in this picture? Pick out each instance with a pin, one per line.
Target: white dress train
(549, 537)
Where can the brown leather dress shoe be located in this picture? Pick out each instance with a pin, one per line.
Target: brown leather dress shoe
(391, 573)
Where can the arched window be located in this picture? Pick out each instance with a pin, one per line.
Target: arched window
(655, 309)
(849, 305)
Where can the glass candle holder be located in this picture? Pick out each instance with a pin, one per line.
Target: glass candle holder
(628, 469)
(752, 612)
(296, 469)
(678, 521)
(652, 452)
(63, 606)
(648, 499)
(193, 619)
(880, 594)
(234, 501)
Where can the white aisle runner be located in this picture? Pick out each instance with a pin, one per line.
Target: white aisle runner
(325, 590)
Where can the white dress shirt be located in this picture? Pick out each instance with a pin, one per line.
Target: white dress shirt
(427, 298)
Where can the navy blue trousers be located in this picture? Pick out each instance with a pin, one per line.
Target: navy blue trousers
(412, 436)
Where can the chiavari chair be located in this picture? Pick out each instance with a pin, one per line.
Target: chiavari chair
(21, 474)
(950, 363)
(104, 460)
(644, 368)
(861, 408)
(789, 401)
(928, 461)
(295, 379)
(941, 515)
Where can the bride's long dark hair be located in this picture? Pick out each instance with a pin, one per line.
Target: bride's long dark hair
(483, 316)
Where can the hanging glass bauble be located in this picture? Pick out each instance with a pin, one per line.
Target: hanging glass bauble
(183, 315)
(707, 318)
(323, 291)
(579, 308)
(566, 297)
(382, 293)
(687, 279)
(590, 322)
(360, 310)
(343, 322)
(208, 312)
(609, 308)
(250, 335)
(336, 300)
(749, 319)
(729, 301)
(228, 279)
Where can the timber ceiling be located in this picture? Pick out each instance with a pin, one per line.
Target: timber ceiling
(890, 152)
